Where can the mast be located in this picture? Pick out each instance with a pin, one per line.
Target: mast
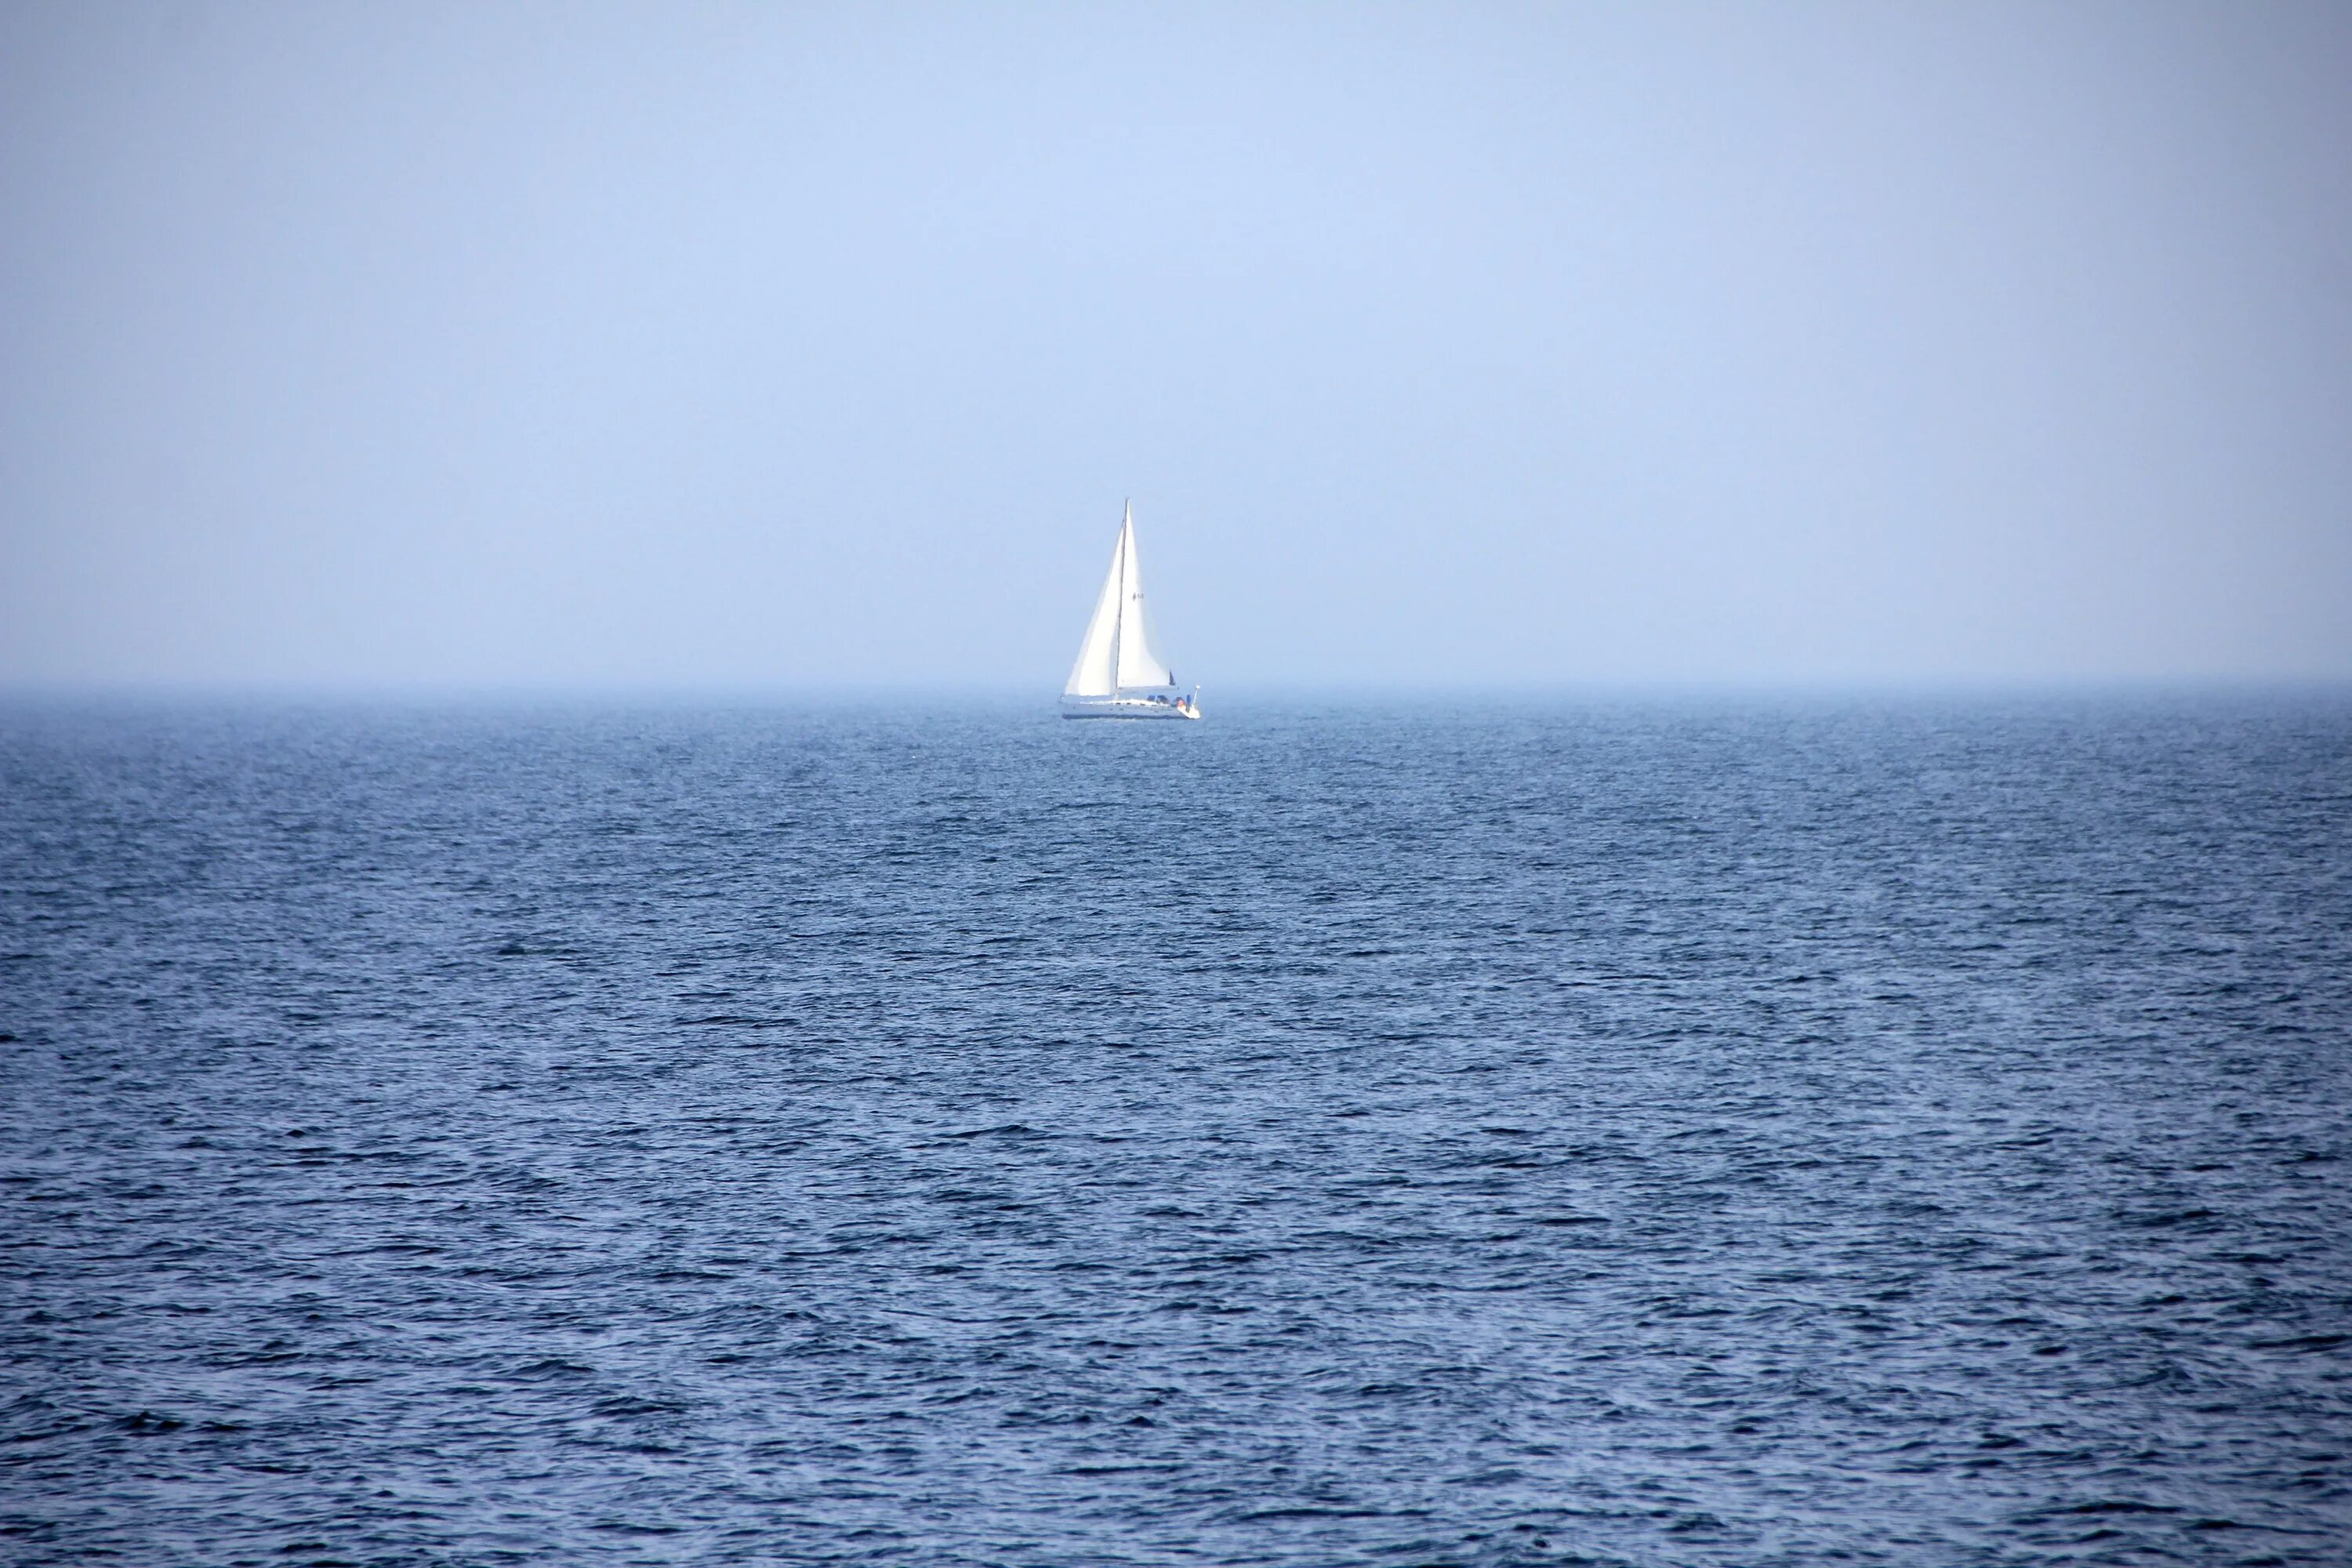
(1126, 528)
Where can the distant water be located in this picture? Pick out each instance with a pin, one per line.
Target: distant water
(1792, 1133)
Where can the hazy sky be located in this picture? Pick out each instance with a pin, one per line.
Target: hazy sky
(499, 345)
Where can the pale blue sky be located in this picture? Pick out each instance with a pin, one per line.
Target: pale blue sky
(731, 346)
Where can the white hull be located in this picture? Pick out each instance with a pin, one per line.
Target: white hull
(1125, 708)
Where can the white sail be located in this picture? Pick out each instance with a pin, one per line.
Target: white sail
(1116, 654)
(1138, 664)
(1094, 674)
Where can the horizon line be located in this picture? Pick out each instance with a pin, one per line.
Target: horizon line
(1252, 693)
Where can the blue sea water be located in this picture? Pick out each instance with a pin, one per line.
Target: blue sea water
(1902, 1131)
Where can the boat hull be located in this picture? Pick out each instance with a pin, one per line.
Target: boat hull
(1124, 708)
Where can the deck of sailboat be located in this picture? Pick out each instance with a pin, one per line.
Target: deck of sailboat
(1125, 708)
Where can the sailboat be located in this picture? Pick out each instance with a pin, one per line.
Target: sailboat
(1119, 674)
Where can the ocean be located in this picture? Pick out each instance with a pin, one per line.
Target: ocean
(1534, 1131)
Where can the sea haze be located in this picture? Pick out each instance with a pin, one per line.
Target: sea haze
(1773, 1133)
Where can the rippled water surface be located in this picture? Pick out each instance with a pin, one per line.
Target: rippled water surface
(1791, 1133)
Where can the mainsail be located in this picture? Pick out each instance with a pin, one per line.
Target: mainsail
(1117, 655)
